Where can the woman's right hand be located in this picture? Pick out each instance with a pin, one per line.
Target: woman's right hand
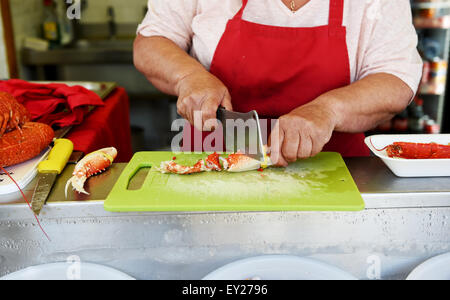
(202, 92)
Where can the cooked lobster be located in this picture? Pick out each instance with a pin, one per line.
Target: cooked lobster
(20, 140)
(417, 150)
(13, 115)
(234, 163)
(21, 145)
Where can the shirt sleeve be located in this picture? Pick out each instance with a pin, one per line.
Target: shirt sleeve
(170, 19)
(390, 44)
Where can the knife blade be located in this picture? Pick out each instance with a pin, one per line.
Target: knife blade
(242, 132)
(60, 133)
(49, 171)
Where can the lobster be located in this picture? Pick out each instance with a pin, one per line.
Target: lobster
(21, 145)
(20, 140)
(417, 150)
(13, 115)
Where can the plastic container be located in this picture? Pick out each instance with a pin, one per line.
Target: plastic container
(411, 167)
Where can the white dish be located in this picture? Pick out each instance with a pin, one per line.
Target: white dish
(68, 271)
(411, 167)
(279, 267)
(437, 268)
(22, 173)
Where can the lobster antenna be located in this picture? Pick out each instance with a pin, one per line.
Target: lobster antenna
(382, 149)
(26, 200)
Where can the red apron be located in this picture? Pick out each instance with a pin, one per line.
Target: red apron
(274, 70)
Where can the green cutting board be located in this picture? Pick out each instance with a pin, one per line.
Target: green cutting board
(322, 183)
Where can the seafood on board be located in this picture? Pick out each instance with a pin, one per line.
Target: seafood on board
(92, 164)
(235, 163)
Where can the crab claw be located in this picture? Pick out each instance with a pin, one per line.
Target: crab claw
(92, 164)
(77, 184)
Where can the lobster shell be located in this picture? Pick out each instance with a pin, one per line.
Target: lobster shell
(12, 114)
(21, 145)
(418, 150)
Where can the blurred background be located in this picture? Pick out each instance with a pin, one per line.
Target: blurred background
(98, 47)
(41, 43)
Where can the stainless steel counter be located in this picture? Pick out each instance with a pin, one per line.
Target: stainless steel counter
(406, 222)
(380, 189)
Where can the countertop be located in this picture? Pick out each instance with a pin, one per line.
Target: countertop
(405, 223)
(380, 189)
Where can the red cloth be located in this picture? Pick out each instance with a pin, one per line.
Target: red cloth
(274, 70)
(107, 126)
(52, 104)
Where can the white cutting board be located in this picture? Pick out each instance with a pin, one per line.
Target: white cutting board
(22, 173)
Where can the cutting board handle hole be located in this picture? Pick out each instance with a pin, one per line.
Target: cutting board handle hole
(137, 180)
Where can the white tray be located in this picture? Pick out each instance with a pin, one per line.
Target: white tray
(22, 173)
(67, 271)
(411, 167)
(279, 267)
(436, 268)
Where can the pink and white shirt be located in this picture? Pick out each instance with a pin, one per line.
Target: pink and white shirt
(380, 35)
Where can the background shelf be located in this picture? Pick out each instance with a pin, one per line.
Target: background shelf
(432, 21)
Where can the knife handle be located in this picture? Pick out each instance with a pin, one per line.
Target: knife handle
(58, 157)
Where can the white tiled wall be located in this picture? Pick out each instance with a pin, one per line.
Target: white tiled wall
(126, 11)
(3, 60)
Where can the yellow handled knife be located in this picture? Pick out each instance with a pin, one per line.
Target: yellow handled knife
(49, 170)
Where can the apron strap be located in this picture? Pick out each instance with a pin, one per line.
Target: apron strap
(336, 13)
(239, 14)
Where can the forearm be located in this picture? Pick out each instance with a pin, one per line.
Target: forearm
(366, 103)
(163, 63)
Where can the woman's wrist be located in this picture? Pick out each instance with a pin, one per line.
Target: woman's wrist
(329, 106)
(184, 76)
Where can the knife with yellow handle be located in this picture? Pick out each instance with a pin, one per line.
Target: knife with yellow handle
(49, 170)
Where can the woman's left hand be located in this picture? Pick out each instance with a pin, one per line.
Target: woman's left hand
(302, 133)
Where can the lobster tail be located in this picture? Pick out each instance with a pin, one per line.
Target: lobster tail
(21, 145)
(418, 150)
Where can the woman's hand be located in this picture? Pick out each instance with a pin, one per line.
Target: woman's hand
(174, 72)
(202, 92)
(302, 133)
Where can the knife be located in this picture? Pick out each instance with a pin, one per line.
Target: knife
(76, 155)
(242, 132)
(49, 170)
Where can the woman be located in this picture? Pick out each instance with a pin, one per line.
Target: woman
(327, 70)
